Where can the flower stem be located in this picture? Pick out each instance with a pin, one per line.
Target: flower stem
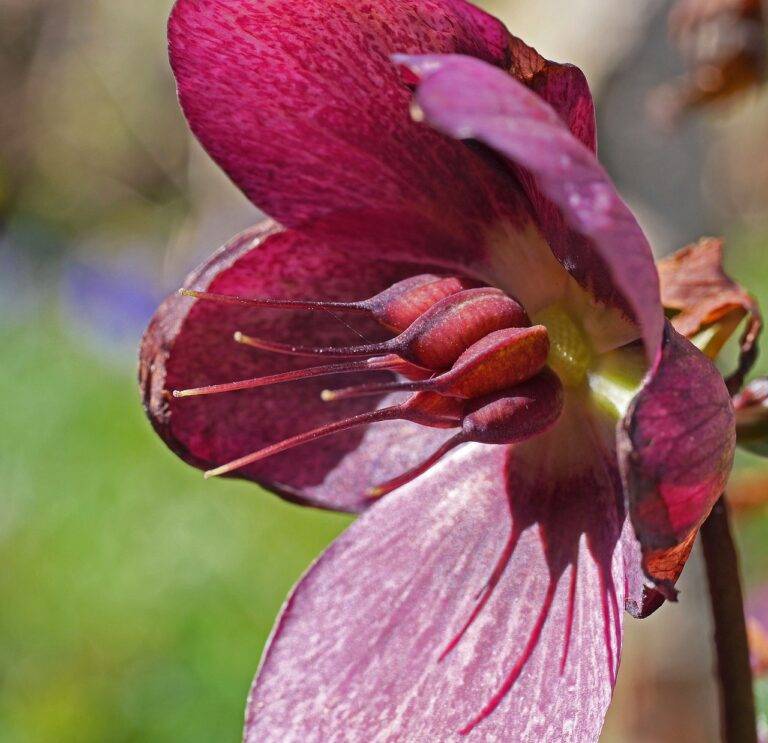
(737, 702)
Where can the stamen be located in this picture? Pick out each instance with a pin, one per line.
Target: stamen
(435, 340)
(515, 415)
(504, 418)
(395, 308)
(385, 363)
(497, 362)
(302, 438)
(404, 302)
(331, 352)
(277, 304)
(421, 409)
(387, 487)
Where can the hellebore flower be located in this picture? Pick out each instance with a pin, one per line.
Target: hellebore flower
(442, 228)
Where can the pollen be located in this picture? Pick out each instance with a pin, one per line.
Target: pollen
(570, 355)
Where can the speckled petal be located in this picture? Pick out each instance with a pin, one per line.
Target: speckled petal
(589, 228)
(300, 104)
(370, 645)
(189, 343)
(676, 448)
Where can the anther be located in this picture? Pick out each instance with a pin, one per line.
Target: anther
(424, 408)
(435, 339)
(395, 308)
(507, 418)
(496, 362)
(518, 414)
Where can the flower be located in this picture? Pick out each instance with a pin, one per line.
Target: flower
(510, 511)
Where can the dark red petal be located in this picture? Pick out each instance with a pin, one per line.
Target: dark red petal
(663, 567)
(642, 597)
(300, 104)
(189, 343)
(589, 228)
(676, 446)
(566, 89)
(486, 595)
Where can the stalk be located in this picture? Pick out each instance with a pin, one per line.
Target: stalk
(737, 703)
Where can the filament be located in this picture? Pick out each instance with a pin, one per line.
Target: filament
(387, 363)
(387, 487)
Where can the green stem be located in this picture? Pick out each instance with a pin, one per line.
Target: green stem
(738, 721)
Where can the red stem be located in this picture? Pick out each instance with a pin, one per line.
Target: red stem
(734, 673)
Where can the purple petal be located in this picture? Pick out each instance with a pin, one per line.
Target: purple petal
(468, 99)
(189, 343)
(529, 540)
(676, 446)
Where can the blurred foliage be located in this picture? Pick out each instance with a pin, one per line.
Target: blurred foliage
(746, 259)
(136, 599)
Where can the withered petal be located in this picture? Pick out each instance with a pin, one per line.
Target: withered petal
(676, 446)
(694, 282)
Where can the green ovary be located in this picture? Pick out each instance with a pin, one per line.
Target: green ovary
(570, 355)
(610, 380)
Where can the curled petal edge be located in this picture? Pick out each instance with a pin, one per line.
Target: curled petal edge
(675, 446)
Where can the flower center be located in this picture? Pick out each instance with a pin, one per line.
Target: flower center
(570, 354)
(615, 379)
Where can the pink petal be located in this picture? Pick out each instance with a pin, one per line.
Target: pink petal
(356, 654)
(606, 251)
(189, 343)
(676, 446)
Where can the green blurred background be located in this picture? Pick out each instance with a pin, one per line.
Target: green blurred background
(135, 598)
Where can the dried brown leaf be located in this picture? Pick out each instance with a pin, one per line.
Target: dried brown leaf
(695, 286)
